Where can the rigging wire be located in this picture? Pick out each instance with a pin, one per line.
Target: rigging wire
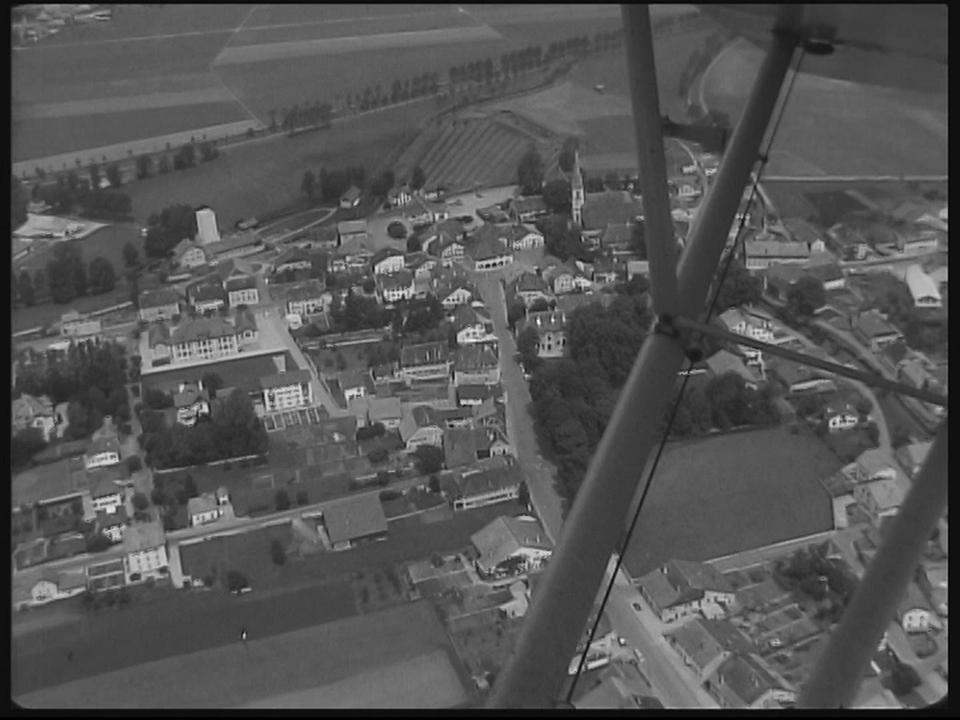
(764, 158)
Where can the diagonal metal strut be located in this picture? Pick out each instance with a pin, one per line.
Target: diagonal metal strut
(833, 367)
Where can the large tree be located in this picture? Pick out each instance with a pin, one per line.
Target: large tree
(556, 195)
(25, 289)
(102, 276)
(417, 178)
(65, 274)
(530, 173)
(739, 288)
(527, 343)
(429, 459)
(144, 166)
(173, 224)
(805, 296)
(131, 257)
(114, 176)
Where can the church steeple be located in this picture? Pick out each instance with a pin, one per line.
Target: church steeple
(576, 187)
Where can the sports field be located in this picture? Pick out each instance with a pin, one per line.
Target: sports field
(394, 658)
(836, 127)
(730, 493)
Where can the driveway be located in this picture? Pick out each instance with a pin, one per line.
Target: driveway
(541, 475)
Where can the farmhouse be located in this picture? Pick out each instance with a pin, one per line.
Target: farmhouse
(424, 361)
(704, 645)
(510, 546)
(351, 198)
(780, 277)
(605, 271)
(54, 585)
(354, 521)
(830, 274)
(745, 681)
(235, 246)
(420, 426)
(752, 326)
(387, 261)
(204, 338)
(206, 296)
(162, 304)
(452, 294)
(918, 242)
(102, 452)
(242, 291)
(398, 286)
(524, 238)
(617, 236)
(529, 287)
(875, 330)
(486, 254)
(187, 254)
(203, 509)
(287, 390)
(145, 546)
(840, 416)
(551, 331)
(923, 290)
(478, 394)
(105, 495)
(682, 588)
(527, 209)
(354, 384)
(355, 230)
(472, 325)
(386, 411)
(449, 251)
(881, 497)
(914, 613)
(799, 230)
(476, 364)
(307, 298)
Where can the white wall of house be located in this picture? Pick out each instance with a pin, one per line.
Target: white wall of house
(915, 620)
(248, 296)
(287, 396)
(102, 460)
(204, 517)
(165, 312)
(492, 497)
(146, 562)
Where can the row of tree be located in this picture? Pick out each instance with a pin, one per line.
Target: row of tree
(91, 377)
(233, 429)
(69, 191)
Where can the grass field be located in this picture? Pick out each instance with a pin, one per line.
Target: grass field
(236, 674)
(837, 127)
(252, 179)
(725, 494)
(247, 552)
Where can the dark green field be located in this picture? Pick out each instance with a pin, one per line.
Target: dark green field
(734, 492)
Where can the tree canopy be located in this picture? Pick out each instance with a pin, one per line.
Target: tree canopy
(530, 173)
(739, 288)
(560, 237)
(806, 296)
(102, 277)
(397, 230)
(429, 459)
(556, 195)
(173, 224)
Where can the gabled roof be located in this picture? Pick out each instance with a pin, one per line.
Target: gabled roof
(826, 272)
(460, 446)
(402, 279)
(158, 298)
(285, 379)
(352, 194)
(478, 356)
(682, 581)
(529, 282)
(479, 392)
(486, 247)
(306, 290)
(354, 517)
(531, 203)
(382, 254)
(415, 418)
(724, 361)
(423, 354)
(466, 316)
(872, 324)
(543, 321)
(744, 678)
(776, 248)
(609, 207)
(388, 408)
(507, 535)
(143, 536)
(705, 641)
(187, 397)
(191, 329)
(887, 493)
(293, 255)
(158, 334)
(186, 244)
(201, 504)
(566, 304)
(102, 445)
(617, 234)
(347, 227)
(205, 292)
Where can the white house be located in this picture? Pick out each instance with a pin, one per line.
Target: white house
(146, 551)
(32, 412)
(453, 294)
(424, 361)
(486, 254)
(191, 403)
(386, 411)
(203, 509)
(351, 198)
(387, 261)
(283, 391)
(103, 452)
(188, 254)
(923, 289)
(203, 338)
(420, 426)
(522, 237)
(510, 546)
(398, 286)
(161, 304)
(242, 291)
(881, 497)
(206, 296)
(307, 298)
(551, 331)
(54, 585)
(472, 325)
(915, 614)
(682, 588)
(840, 416)
(293, 259)
(106, 496)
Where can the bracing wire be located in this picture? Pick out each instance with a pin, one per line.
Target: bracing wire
(764, 158)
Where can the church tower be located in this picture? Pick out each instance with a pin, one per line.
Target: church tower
(576, 187)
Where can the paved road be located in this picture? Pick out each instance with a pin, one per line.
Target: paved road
(675, 684)
(540, 474)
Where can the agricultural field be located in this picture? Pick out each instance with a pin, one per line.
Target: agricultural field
(247, 552)
(722, 495)
(478, 152)
(239, 58)
(837, 127)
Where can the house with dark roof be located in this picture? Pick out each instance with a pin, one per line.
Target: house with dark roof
(745, 681)
(420, 425)
(617, 236)
(189, 254)
(762, 252)
(551, 331)
(478, 394)
(293, 259)
(397, 286)
(351, 198)
(472, 324)
(704, 645)
(527, 209)
(102, 452)
(352, 231)
(203, 337)
(160, 304)
(510, 546)
(461, 446)
(485, 253)
(875, 331)
(387, 260)
(476, 364)
(524, 237)
(307, 298)
(206, 295)
(354, 520)
(191, 403)
(424, 361)
(830, 274)
(724, 361)
(684, 588)
(529, 287)
(235, 245)
(387, 411)
(610, 207)
(452, 293)
(799, 378)
(284, 391)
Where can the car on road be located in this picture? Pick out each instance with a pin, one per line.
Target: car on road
(638, 607)
(621, 641)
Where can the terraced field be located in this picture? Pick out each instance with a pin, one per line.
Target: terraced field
(470, 152)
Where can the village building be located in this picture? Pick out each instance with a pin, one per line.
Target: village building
(160, 304)
(683, 588)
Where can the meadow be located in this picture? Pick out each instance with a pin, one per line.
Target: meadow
(729, 493)
(836, 127)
